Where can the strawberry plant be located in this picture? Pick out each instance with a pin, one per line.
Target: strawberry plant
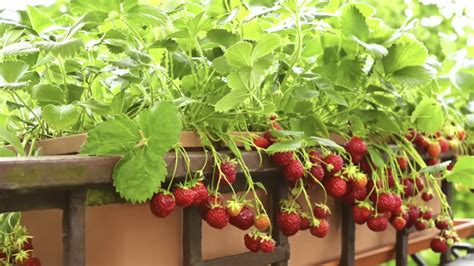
(291, 76)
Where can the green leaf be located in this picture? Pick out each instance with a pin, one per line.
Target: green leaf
(402, 55)
(12, 139)
(96, 106)
(162, 127)
(463, 171)
(376, 157)
(387, 123)
(116, 136)
(231, 100)
(357, 126)
(222, 37)
(12, 74)
(65, 48)
(239, 55)
(48, 94)
(265, 45)
(327, 143)
(4, 152)
(353, 22)
(140, 15)
(38, 19)
(19, 48)
(376, 50)
(428, 116)
(432, 169)
(138, 176)
(286, 145)
(101, 6)
(413, 76)
(60, 117)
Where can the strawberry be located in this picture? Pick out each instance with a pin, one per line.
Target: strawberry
(360, 180)
(413, 214)
(361, 213)
(333, 164)
(444, 144)
(283, 158)
(268, 135)
(356, 148)
(451, 165)
(442, 223)
(377, 223)
(427, 196)
(261, 142)
(319, 228)
(262, 222)
(316, 171)
(267, 245)
(336, 187)
(421, 224)
(408, 188)
(252, 242)
(289, 222)
(293, 171)
(433, 161)
(184, 195)
(354, 193)
(31, 261)
(402, 163)
(234, 207)
(427, 214)
(461, 135)
(384, 202)
(397, 202)
(315, 156)
(201, 192)
(217, 216)
(321, 211)
(454, 144)
(434, 149)
(439, 244)
(410, 136)
(244, 220)
(399, 223)
(366, 166)
(304, 222)
(420, 184)
(422, 141)
(28, 244)
(162, 204)
(228, 172)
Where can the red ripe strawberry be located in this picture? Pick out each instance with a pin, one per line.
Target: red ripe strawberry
(399, 223)
(261, 142)
(420, 184)
(414, 214)
(361, 214)
(252, 243)
(320, 228)
(304, 222)
(262, 222)
(444, 144)
(427, 214)
(321, 211)
(377, 223)
(442, 224)
(356, 148)
(410, 136)
(229, 172)
(28, 244)
(2, 256)
(293, 171)
(244, 220)
(315, 156)
(402, 163)
(333, 164)
(384, 202)
(461, 135)
(217, 216)
(31, 261)
(201, 192)
(184, 196)
(354, 193)
(268, 135)
(433, 161)
(317, 171)
(366, 167)
(267, 245)
(422, 141)
(421, 224)
(439, 244)
(434, 149)
(289, 223)
(408, 188)
(162, 204)
(451, 165)
(283, 158)
(336, 187)
(427, 196)
(397, 202)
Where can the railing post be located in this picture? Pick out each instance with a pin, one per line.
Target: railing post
(401, 248)
(347, 236)
(74, 227)
(192, 236)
